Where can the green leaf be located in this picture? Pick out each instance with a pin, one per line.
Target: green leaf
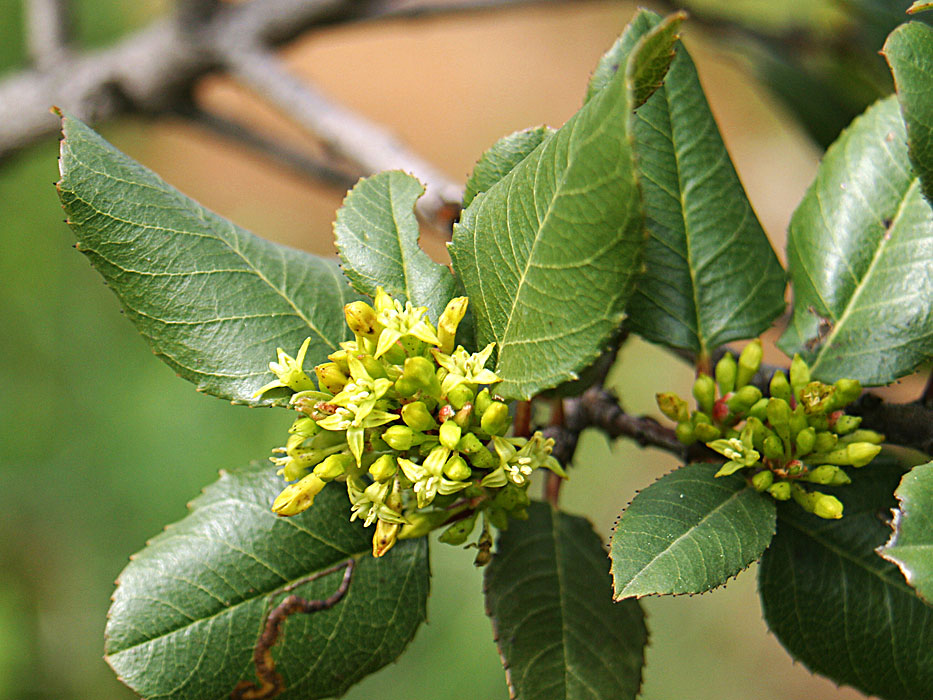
(688, 533)
(559, 633)
(377, 235)
(911, 544)
(909, 51)
(189, 608)
(837, 606)
(859, 257)
(212, 300)
(548, 254)
(711, 275)
(499, 160)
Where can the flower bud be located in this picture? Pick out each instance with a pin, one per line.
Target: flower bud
(762, 481)
(420, 370)
(779, 417)
(772, 447)
(333, 466)
(449, 435)
(384, 468)
(458, 533)
(482, 459)
(798, 420)
(684, 433)
(802, 497)
(449, 321)
(743, 399)
(303, 427)
(298, 496)
(374, 368)
(706, 432)
(385, 536)
(825, 441)
(780, 491)
(339, 358)
(330, 378)
(759, 410)
(861, 453)
(400, 437)
(749, 363)
(863, 436)
(361, 318)
(780, 387)
(460, 396)
(417, 416)
(805, 441)
(464, 416)
(456, 468)
(828, 475)
(847, 391)
(799, 375)
(846, 424)
(826, 506)
(673, 407)
(704, 391)
(482, 402)
(726, 371)
(421, 523)
(496, 419)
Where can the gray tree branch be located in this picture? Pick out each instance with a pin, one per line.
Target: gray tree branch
(47, 31)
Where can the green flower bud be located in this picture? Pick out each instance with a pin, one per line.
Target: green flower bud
(805, 441)
(496, 419)
(464, 417)
(826, 506)
(743, 399)
(798, 421)
(498, 518)
(298, 497)
(420, 370)
(417, 416)
(818, 421)
(726, 371)
(759, 410)
(458, 533)
(799, 375)
(846, 424)
(828, 475)
(704, 391)
(460, 396)
(673, 407)
(361, 318)
(802, 497)
(469, 444)
(706, 432)
(847, 391)
(334, 466)
(780, 491)
(374, 368)
(684, 433)
(780, 387)
(421, 523)
(511, 497)
(456, 469)
(449, 435)
(749, 363)
(825, 441)
(861, 453)
(483, 459)
(449, 321)
(700, 417)
(779, 417)
(482, 402)
(406, 387)
(863, 436)
(304, 427)
(401, 437)
(762, 481)
(772, 447)
(339, 358)
(384, 468)
(330, 378)
(757, 430)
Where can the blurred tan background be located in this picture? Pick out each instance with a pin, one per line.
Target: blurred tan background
(100, 445)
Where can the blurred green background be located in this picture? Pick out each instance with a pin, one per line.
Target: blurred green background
(101, 445)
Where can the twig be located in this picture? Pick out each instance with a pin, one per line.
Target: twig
(47, 31)
(276, 150)
(348, 134)
(270, 682)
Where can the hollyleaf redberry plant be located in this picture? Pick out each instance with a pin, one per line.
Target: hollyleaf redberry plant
(409, 379)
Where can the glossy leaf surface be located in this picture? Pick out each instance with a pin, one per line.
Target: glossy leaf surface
(688, 533)
(711, 275)
(189, 608)
(840, 608)
(212, 300)
(909, 50)
(377, 235)
(911, 544)
(548, 254)
(549, 596)
(859, 252)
